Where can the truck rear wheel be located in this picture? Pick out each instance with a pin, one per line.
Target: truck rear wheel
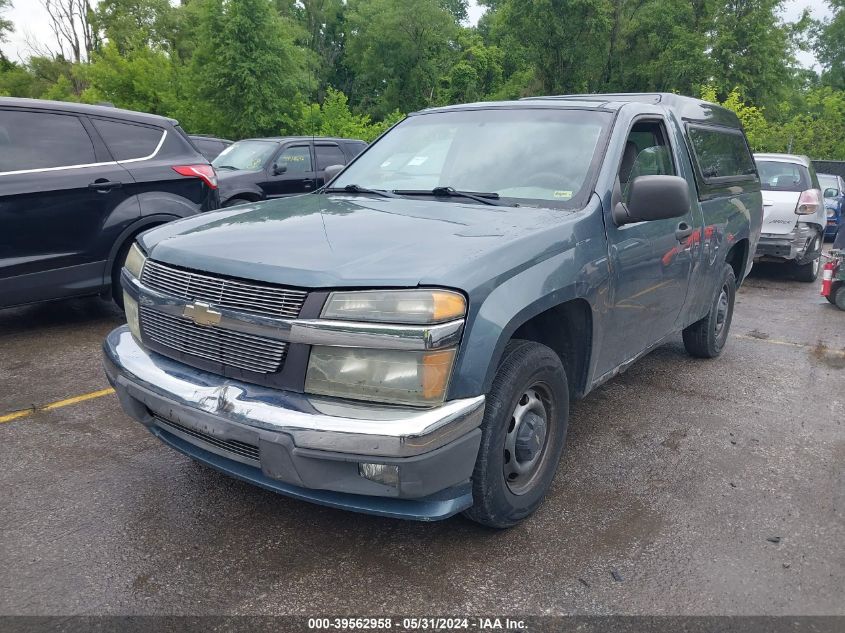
(523, 434)
(706, 338)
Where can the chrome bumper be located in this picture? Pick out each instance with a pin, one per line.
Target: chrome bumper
(179, 393)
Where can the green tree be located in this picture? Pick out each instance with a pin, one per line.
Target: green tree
(132, 24)
(659, 45)
(6, 27)
(397, 52)
(476, 72)
(334, 118)
(140, 79)
(753, 50)
(556, 46)
(829, 46)
(246, 73)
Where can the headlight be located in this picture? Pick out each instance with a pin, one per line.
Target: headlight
(391, 376)
(420, 306)
(130, 307)
(135, 261)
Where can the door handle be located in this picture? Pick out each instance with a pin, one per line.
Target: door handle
(103, 185)
(683, 231)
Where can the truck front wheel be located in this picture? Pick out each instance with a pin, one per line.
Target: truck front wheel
(523, 435)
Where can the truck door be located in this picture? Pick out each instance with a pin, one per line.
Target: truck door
(650, 261)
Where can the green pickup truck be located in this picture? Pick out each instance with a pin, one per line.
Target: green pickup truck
(406, 341)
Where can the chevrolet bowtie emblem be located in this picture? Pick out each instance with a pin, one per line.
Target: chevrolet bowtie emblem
(201, 314)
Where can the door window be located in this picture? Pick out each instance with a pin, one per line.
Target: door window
(721, 153)
(647, 153)
(41, 140)
(295, 160)
(127, 141)
(328, 155)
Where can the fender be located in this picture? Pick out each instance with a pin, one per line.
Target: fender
(519, 299)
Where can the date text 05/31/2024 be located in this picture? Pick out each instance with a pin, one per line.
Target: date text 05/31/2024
(416, 624)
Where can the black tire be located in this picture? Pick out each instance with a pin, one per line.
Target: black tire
(834, 289)
(231, 202)
(706, 338)
(116, 288)
(501, 500)
(808, 272)
(838, 294)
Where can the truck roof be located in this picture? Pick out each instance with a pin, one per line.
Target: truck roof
(687, 108)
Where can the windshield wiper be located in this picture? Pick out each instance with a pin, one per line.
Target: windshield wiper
(226, 167)
(450, 192)
(352, 188)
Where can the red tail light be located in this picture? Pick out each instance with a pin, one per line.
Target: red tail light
(809, 202)
(203, 172)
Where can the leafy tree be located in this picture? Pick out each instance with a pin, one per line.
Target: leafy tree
(246, 73)
(141, 79)
(830, 46)
(397, 52)
(133, 24)
(334, 118)
(476, 72)
(6, 26)
(753, 50)
(659, 45)
(563, 43)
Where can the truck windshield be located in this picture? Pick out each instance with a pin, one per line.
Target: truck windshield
(246, 155)
(526, 156)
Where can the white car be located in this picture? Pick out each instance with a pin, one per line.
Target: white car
(793, 214)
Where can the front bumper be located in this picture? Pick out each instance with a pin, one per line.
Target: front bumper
(299, 445)
(795, 245)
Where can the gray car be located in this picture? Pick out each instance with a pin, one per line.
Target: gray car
(407, 340)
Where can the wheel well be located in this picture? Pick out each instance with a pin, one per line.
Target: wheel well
(249, 197)
(737, 257)
(568, 330)
(127, 241)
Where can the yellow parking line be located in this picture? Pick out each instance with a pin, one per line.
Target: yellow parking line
(14, 415)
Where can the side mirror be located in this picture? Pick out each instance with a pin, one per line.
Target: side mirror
(831, 192)
(653, 198)
(279, 169)
(331, 171)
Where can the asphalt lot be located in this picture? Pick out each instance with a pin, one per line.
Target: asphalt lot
(676, 475)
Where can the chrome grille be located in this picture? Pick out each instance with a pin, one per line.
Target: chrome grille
(222, 292)
(236, 349)
(236, 447)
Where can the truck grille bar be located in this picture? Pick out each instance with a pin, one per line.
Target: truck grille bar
(228, 347)
(223, 292)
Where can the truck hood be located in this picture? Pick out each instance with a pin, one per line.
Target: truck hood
(322, 241)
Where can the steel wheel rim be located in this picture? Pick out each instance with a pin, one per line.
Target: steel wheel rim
(722, 311)
(530, 427)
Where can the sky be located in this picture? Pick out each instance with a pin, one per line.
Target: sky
(31, 24)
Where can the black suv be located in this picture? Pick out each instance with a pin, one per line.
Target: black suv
(77, 184)
(260, 168)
